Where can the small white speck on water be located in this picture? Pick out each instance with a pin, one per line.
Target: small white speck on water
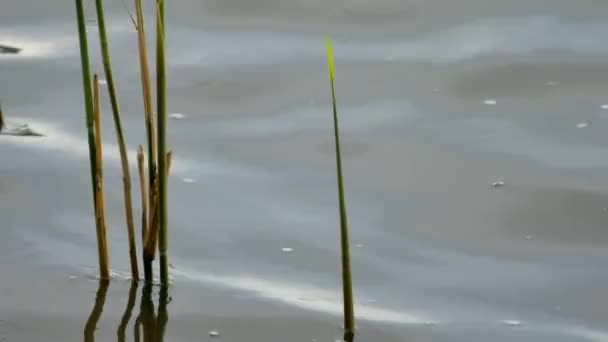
(102, 81)
(189, 180)
(582, 125)
(512, 323)
(604, 106)
(551, 84)
(214, 333)
(498, 184)
(528, 237)
(287, 250)
(490, 102)
(435, 90)
(177, 116)
(73, 277)
(359, 245)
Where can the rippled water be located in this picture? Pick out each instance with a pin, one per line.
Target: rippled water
(437, 104)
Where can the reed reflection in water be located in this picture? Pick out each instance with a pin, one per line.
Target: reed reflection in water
(148, 326)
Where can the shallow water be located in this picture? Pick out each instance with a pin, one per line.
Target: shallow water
(437, 103)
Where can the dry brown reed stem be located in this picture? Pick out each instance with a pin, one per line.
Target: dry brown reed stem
(144, 196)
(147, 96)
(102, 243)
(152, 233)
(107, 65)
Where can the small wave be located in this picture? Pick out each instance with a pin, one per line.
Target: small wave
(309, 298)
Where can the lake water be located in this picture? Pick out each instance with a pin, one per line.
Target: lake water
(475, 164)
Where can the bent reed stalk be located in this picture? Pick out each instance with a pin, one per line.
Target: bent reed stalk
(107, 64)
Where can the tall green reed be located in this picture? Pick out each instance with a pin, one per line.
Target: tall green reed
(88, 93)
(349, 312)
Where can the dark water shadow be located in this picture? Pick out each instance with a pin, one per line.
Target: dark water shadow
(149, 325)
(100, 300)
(126, 317)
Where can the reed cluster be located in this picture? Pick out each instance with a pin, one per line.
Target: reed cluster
(153, 183)
(154, 198)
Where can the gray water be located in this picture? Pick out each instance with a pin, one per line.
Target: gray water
(437, 101)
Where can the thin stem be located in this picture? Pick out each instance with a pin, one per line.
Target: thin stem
(107, 64)
(102, 242)
(349, 316)
(148, 103)
(161, 88)
(88, 93)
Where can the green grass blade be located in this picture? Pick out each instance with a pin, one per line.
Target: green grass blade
(349, 312)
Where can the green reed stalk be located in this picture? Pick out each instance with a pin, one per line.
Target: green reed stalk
(88, 93)
(90, 121)
(107, 64)
(161, 88)
(349, 312)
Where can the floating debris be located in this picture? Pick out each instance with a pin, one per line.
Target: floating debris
(189, 180)
(21, 131)
(528, 237)
(177, 116)
(512, 323)
(9, 49)
(490, 102)
(359, 245)
(604, 106)
(287, 250)
(103, 82)
(73, 277)
(214, 333)
(582, 125)
(551, 83)
(498, 184)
